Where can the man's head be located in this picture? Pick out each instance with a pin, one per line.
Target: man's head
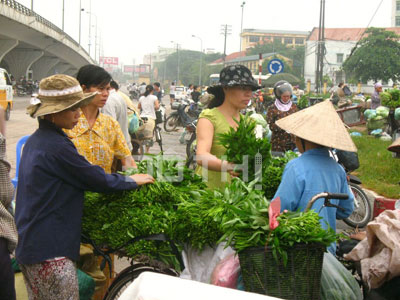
(156, 86)
(93, 78)
(114, 85)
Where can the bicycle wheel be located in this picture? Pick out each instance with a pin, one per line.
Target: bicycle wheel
(137, 149)
(157, 135)
(128, 275)
(362, 208)
(171, 123)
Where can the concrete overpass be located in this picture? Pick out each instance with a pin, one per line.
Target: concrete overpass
(30, 44)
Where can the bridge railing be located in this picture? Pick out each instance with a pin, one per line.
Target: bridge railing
(28, 12)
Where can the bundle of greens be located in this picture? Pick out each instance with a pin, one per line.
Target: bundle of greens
(303, 102)
(243, 148)
(243, 214)
(390, 98)
(113, 219)
(242, 144)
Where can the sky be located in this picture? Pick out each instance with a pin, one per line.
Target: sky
(129, 29)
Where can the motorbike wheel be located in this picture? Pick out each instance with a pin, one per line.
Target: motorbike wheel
(190, 147)
(171, 123)
(362, 208)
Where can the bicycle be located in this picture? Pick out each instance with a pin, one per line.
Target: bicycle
(130, 273)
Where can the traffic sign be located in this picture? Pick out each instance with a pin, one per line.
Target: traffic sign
(275, 66)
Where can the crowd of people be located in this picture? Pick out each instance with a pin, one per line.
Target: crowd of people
(82, 135)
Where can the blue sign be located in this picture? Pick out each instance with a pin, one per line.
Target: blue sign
(275, 66)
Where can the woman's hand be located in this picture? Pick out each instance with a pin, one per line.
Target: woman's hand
(142, 179)
(230, 168)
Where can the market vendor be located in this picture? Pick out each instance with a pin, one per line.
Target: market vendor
(375, 97)
(283, 106)
(231, 95)
(51, 183)
(317, 130)
(99, 137)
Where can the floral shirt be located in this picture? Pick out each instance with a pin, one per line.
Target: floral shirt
(281, 141)
(101, 143)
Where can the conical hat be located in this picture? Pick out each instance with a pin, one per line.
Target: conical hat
(319, 124)
(395, 146)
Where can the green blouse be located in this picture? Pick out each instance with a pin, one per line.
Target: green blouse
(215, 179)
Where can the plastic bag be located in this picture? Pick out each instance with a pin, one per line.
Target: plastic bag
(348, 159)
(199, 265)
(134, 123)
(226, 272)
(337, 283)
(397, 114)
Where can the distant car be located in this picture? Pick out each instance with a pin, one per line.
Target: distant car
(180, 92)
(6, 93)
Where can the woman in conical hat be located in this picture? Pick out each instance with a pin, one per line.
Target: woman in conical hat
(51, 184)
(317, 129)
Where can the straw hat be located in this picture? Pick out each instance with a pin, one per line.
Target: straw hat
(319, 124)
(395, 146)
(57, 93)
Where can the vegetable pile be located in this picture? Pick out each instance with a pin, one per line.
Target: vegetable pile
(243, 214)
(390, 98)
(171, 205)
(377, 114)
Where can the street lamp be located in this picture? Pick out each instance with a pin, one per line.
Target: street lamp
(241, 26)
(201, 56)
(95, 34)
(177, 52)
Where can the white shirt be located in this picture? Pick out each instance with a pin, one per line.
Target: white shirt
(147, 106)
(117, 108)
(142, 89)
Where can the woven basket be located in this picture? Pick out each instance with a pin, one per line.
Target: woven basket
(300, 279)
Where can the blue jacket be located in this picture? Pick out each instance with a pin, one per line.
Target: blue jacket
(51, 183)
(312, 173)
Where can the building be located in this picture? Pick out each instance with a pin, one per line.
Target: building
(339, 43)
(395, 13)
(159, 56)
(251, 61)
(251, 37)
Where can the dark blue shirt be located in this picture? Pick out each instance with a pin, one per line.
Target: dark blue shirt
(51, 183)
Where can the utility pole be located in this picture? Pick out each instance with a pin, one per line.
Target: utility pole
(63, 12)
(90, 23)
(241, 27)
(320, 49)
(225, 30)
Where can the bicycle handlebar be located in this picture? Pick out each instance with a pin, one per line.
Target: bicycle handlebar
(327, 203)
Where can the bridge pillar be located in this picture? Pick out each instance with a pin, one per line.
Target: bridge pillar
(71, 71)
(42, 67)
(6, 45)
(20, 61)
(60, 68)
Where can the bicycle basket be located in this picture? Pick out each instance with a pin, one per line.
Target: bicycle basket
(159, 118)
(300, 279)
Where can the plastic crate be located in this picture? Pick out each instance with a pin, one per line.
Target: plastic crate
(299, 279)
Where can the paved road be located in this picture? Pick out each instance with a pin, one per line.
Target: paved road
(21, 124)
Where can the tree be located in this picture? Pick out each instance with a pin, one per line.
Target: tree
(189, 67)
(375, 58)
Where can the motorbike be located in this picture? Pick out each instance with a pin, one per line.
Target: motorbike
(362, 207)
(179, 117)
